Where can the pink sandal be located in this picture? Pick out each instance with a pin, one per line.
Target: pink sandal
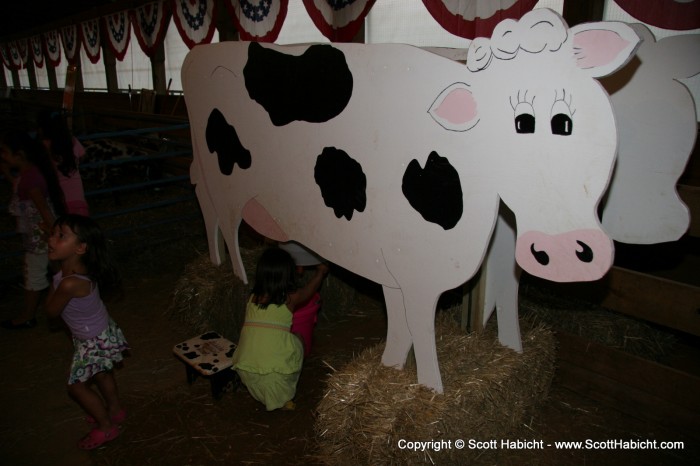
(117, 419)
(97, 438)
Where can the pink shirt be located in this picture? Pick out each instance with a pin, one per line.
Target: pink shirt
(31, 179)
(72, 185)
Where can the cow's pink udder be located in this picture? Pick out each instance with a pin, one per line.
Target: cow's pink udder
(579, 255)
(260, 219)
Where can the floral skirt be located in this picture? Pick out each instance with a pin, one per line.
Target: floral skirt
(97, 354)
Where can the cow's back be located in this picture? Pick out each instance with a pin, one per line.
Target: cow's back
(333, 177)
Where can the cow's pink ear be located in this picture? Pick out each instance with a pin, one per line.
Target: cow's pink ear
(455, 108)
(602, 48)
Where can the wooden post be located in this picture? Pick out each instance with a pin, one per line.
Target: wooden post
(51, 74)
(110, 63)
(158, 69)
(3, 80)
(224, 23)
(15, 78)
(31, 73)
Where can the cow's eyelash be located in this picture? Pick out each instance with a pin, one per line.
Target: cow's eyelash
(565, 99)
(521, 97)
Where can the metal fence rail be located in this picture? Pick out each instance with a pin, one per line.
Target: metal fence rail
(173, 200)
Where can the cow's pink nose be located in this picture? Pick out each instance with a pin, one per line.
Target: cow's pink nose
(575, 256)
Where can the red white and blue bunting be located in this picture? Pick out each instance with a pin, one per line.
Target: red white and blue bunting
(117, 29)
(23, 50)
(150, 25)
(338, 20)
(258, 20)
(16, 55)
(475, 18)
(52, 47)
(262, 20)
(71, 43)
(5, 56)
(35, 45)
(90, 34)
(195, 20)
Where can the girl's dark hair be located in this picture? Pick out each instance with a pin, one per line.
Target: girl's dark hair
(52, 126)
(36, 153)
(275, 277)
(97, 258)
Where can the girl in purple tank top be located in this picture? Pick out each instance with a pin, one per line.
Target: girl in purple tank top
(79, 245)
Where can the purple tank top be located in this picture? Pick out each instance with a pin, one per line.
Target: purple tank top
(86, 317)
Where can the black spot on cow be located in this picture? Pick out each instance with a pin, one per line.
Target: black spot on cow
(209, 336)
(223, 139)
(315, 86)
(191, 355)
(434, 191)
(343, 183)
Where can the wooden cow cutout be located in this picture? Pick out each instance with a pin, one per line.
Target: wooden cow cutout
(390, 161)
(657, 125)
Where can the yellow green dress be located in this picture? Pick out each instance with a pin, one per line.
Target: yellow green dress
(268, 357)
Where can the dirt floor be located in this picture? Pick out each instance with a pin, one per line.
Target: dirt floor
(173, 423)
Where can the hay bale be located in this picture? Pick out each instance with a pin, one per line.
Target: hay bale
(210, 297)
(489, 390)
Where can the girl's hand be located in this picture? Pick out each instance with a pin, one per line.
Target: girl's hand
(322, 268)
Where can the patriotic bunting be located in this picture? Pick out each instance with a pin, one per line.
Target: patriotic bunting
(23, 50)
(35, 44)
(196, 20)
(71, 42)
(666, 14)
(118, 32)
(5, 56)
(52, 47)
(258, 20)
(261, 20)
(150, 25)
(338, 20)
(475, 18)
(16, 55)
(90, 34)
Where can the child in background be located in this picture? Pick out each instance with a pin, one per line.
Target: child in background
(269, 357)
(79, 245)
(65, 151)
(36, 199)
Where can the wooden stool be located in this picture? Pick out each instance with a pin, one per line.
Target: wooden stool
(209, 355)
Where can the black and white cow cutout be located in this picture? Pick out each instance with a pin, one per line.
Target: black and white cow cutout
(396, 171)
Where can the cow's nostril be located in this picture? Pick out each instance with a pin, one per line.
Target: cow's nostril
(586, 255)
(540, 256)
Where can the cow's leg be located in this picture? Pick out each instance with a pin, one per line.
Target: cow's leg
(220, 233)
(211, 225)
(398, 338)
(502, 277)
(231, 236)
(411, 321)
(420, 315)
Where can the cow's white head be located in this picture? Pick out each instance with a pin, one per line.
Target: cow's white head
(552, 136)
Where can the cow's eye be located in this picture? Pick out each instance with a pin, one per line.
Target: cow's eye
(525, 123)
(524, 118)
(561, 122)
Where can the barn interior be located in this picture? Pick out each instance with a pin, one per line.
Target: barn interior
(627, 361)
